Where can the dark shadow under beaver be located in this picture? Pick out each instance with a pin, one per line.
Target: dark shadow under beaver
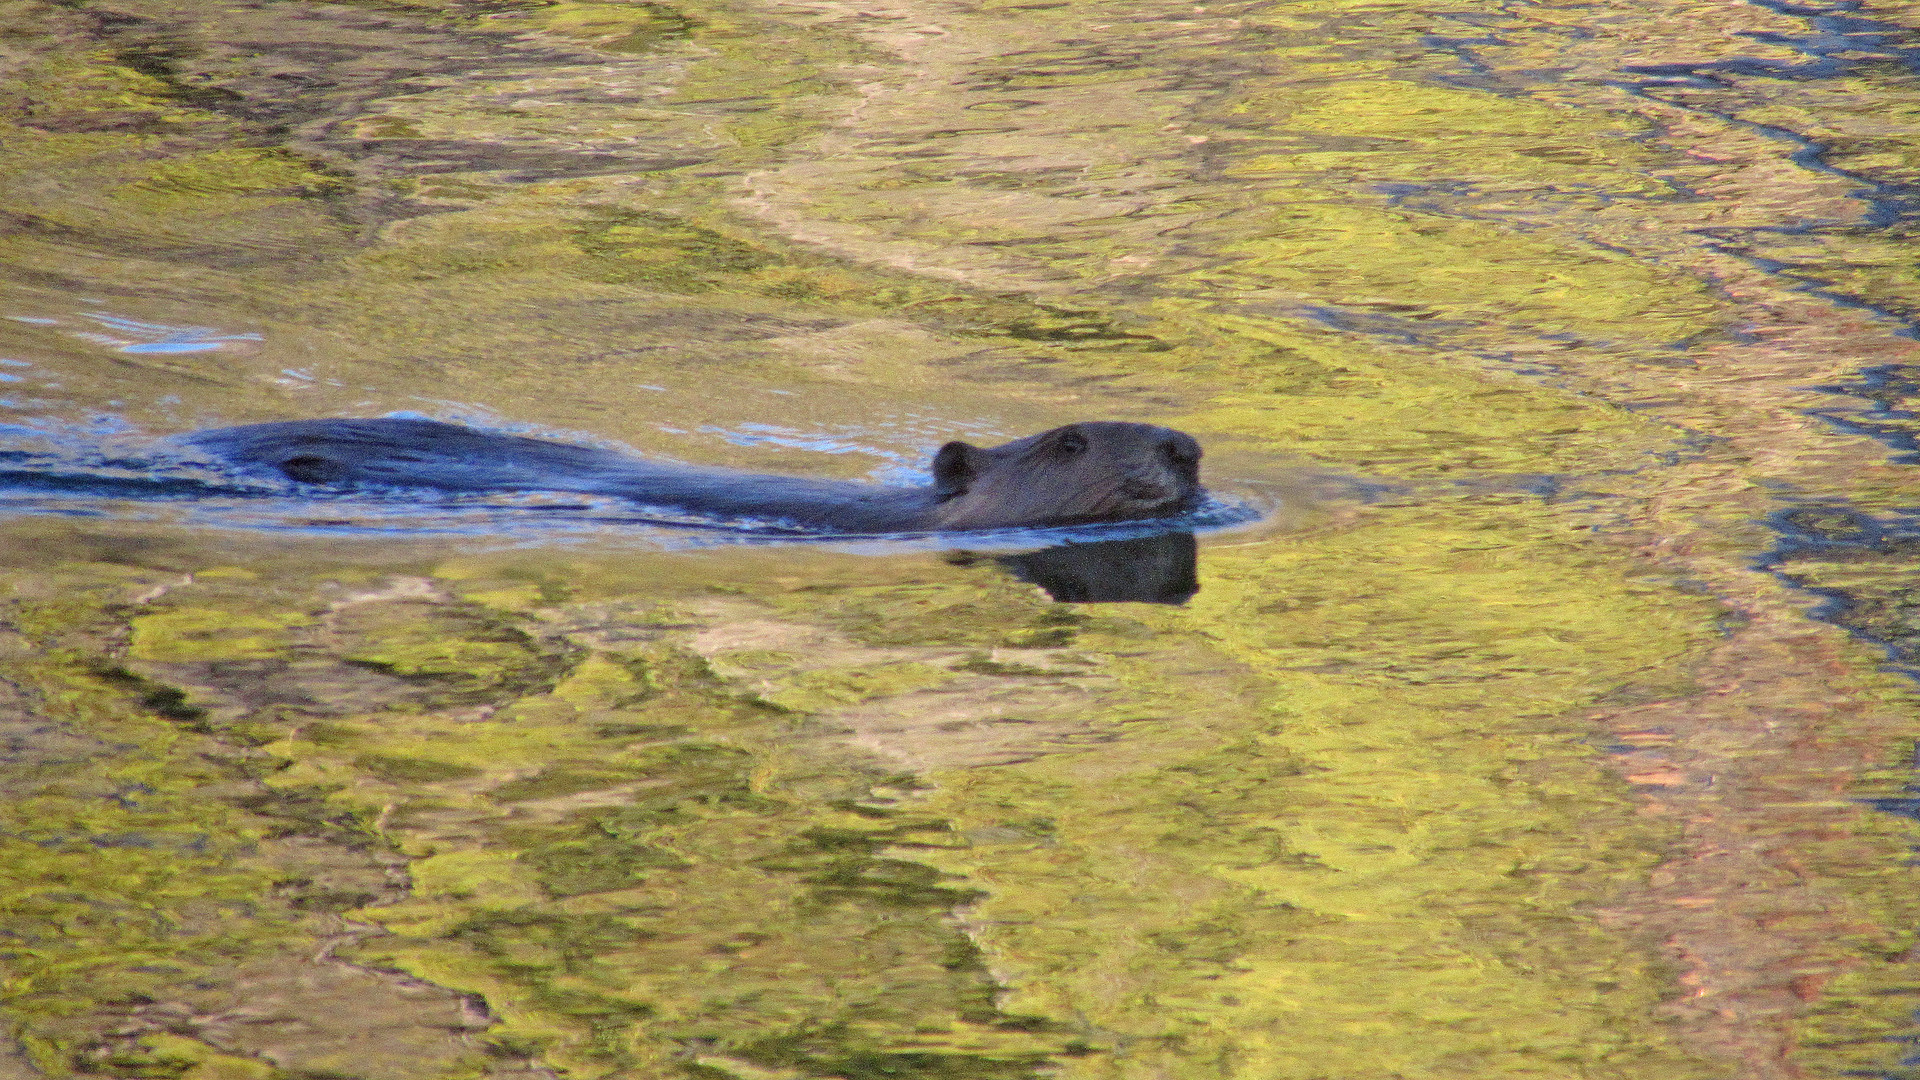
(1094, 471)
(1158, 569)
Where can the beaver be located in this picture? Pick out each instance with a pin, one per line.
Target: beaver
(1091, 471)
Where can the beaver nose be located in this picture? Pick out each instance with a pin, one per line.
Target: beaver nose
(1180, 449)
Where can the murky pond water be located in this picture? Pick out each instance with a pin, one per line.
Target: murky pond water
(1557, 724)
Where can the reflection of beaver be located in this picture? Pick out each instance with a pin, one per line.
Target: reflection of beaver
(1157, 569)
(1086, 472)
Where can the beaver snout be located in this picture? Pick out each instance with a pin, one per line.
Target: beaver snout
(1146, 491)
(1180, 449)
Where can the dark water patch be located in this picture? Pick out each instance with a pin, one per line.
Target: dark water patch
(1892, 417)
(1865, 568)
(1841, 42)
(813, 1055)
(666, 251)
(524, 163)
(1842, 46)
(130, 243)
(163, 61)
(1067, 325)
(1822, 280)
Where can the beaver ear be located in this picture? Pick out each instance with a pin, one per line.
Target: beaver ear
(954, 467)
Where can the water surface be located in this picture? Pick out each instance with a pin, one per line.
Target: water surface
(1560, 727)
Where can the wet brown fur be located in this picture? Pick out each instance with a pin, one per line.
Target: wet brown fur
(1087, 472)
(1092, 471)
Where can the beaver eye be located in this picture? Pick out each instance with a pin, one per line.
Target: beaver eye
(1070, 442)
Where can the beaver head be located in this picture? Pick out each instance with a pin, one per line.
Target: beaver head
(1093, 471)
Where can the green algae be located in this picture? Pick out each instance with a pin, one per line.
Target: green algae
(1333, 397)
(411, 770)
(99, 148)
(1364, 803)
(575, 919)
(625, 28)
(210, 634)
(1434, 267)
(1329, 398)
(122, 874)
(820, 689)
(462, 651)
(576, 982)
(230, 173)
(666, 252)
(170, 1056)
(1387, 130)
